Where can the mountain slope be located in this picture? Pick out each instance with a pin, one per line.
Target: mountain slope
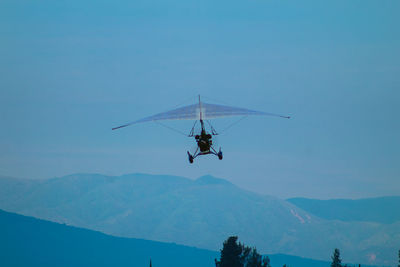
(381, 209)
(26, 241)
(198, 213)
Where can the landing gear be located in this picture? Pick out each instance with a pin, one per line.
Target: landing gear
(190, 157)
(220, 154)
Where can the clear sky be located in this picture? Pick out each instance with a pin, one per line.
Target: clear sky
(72, 70)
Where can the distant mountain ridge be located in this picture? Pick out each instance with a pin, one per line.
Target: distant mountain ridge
(26, 241)
(208, 179)
(198, 213)
(381, 209)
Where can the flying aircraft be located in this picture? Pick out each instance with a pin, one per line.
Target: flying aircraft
(201, 112)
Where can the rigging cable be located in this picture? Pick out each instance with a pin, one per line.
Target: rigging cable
(232, 124)
(173, 129)
(213, 131)
(191, 134)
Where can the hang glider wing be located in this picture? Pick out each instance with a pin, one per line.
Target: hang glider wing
(212, 111)
(209, 111)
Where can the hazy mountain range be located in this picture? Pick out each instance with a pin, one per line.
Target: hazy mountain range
(380, 209)
(26, 241)
(200, 213)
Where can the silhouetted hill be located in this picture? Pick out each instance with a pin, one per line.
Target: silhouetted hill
(199, 213)
(26, 241)
(381, 209)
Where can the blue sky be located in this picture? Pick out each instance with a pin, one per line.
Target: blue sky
(71, 70)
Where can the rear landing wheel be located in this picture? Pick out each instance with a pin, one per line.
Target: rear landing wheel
(190, 157)
(220, 156)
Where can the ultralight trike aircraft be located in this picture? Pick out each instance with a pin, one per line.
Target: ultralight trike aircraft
(202, 112)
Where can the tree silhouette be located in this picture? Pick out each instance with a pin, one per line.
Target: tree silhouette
(336, 261)
(399, 259)
(254, 259)
(230, 254)
(234, 254)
